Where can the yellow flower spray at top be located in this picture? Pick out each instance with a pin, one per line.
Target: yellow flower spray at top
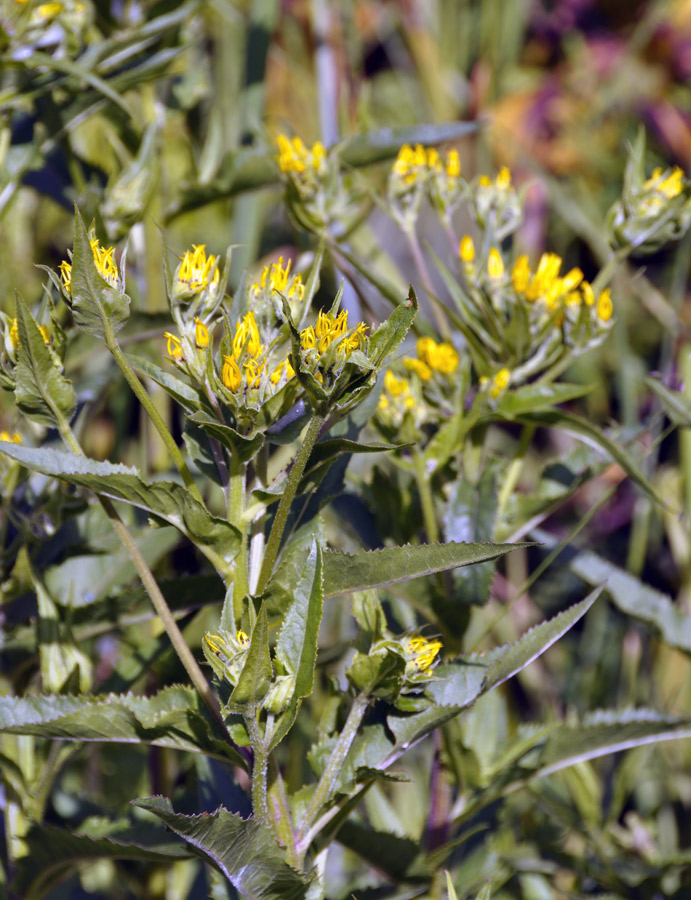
(329, 328)
(196, 272)
(276, 277)
(432, 357)
(105, 264)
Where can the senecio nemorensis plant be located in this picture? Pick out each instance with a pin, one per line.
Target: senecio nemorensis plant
(275, 397)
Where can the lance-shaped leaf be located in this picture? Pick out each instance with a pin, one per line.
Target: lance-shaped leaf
(53, 853)
(257, 671)
(216, 538)
(296, 646)
(458, 686)
(42, 393)
(391, 333)
(175, 717)
(400, 857)
(244, 850)
(531, 397)
(675, 403)
(187, 397)
(97, 306)
(591, 434)
(344, 572)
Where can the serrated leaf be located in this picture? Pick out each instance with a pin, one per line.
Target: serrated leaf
(244, 850)
(97, 307)
(175, 717)
(531, 397)
(392, 332)
(535, 641)
(42, 393)
(181, 392)
(53, 853)
(296, 646)
(216, 538)
(255, 678)
(345, 572)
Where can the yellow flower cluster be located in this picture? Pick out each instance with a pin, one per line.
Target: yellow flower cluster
(276, 277)
(502, 182)
(245, 366)
(497, 384)
(330, 328)
(15, 438)
(399, 390)
(421, 655)
(432, 357)
(196, 271)
(295, 158)
(414, 163)
(547, 286)
(105, 264)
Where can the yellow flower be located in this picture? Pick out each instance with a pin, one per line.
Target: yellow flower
(421, 655)
(466, 249)
(604, 305)
(276, 277)
(546, 274)
(520, 274)
(247, 337)
(282, 367)
(395, 386)
(14, 334)
(174, 346)
(201, 333)
(439, 357)
(105, 264)
(495, 264)
(47, 11)
(669, 184)
(45, 333)
(308, 339)
(453, 164)
(588, 294)
(294, 157)
(412, 164)
(196, 271)
(253, 371)
(15, 438)
(484, 181)
(329, 328)
(503, 181)
(242, 638)
(499, 383)
(231, 375)
(421, 369)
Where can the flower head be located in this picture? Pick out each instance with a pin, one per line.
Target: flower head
(201, 333)
(421, 656)
(196, 272)
(105, 264)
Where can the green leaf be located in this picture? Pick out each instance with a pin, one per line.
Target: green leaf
(175, 717)
(391, 333)
(216, 538)
(245, 851)
(344, 572)
(187, 397)
(384, 143)
(296, 646)
(283, 583)
(555, 418)
(399, 857)
(535, 641)
(485, 892)
(42, 393)
(675, 403)
(97, 306)
(532, 397)
(53, 853)
(632, 596)
(450, 889)
(255, 678)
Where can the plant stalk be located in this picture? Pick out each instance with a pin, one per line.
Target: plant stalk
(236, 516)
(426, 500)
(279, 523)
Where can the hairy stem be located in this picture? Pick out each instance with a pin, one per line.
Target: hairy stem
(260, 768)
(279, 523)
(236, 511)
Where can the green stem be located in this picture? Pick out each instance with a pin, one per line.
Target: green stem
(236, 513)
(146, 576)
(423, 271)
(514, 470)
(326, 785)
(146, 402)
(426, 500)
(260, 768)
(279, 523)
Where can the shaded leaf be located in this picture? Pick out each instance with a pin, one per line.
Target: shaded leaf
(244, 850)
(42, 393)
(531, 397)
(257, 671)
(391, 333)
(675, 403)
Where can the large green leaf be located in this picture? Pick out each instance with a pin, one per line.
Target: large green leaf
(42, 393)
(53, 853)
(455, 687)
(175, 717)
(216, 538)
(97, 306)
(344, 572)
(632, 596)
(244, 850)
(296, 646)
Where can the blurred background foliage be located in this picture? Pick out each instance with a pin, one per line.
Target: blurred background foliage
(157, 119)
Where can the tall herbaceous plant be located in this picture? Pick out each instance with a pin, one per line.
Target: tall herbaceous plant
(301, 741)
